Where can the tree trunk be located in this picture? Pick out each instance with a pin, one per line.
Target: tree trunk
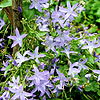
(17, 17)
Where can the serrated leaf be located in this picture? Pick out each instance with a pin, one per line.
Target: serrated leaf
(5, 3)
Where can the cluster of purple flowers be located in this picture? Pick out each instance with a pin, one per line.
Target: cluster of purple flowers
(50, 80)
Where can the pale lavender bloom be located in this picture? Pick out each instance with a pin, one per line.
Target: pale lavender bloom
(88, 76)
(69, 11)
(63, 38)
(42, 65)
(57, 16)
(79, 88)
(19, 93)
(18, 38)
(14, 83)
(38, 76)
(81, 64)
(73, 71)
(5, 96)
(44, 19)
(98, 58)
(36, 55)
(97, 72)
(91, 45)
(43, 27)
(37, 4)
(79, 9)
(43, 87)
(85, 30)
(67, 51)
(20, 59)
(57, 90)
(55, 60)
(5, 66)
(9, 56)
(2, 44)
(61, 77)
(2, 23)
(49, 43)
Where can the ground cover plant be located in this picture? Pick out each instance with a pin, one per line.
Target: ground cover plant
(48, 51)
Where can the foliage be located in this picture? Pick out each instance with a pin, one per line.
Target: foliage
(58, 56)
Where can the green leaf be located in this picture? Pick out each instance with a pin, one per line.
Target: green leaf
(90, 59)
(97, 51)
(28, 13)
(42, 33)
(98, 12)
(5, 3)
(93, 86)
(8, 67)
(93, 29)
(98, 20)
(98, 92)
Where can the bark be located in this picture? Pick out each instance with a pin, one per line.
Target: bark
(17, 16)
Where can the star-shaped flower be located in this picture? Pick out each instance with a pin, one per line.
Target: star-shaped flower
(91, 45)
(20, 59)
(97, 72)
(5, 96)
(19, 93)
(18, 38)
(37, 4)
(67, 51)
(38, 76)
(61, 77)
(81, 64)
(73, 71)
(2, 23)
(36, 55)
(69, 11)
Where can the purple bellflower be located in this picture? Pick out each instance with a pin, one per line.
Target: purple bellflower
(91, 45)
(67, 51)
(1, 45)
(49, 43)
(38, 76)
(57, 90)
(69, 11)
(57, 16)
(5, 66)
(63, 38)
(20, 59)
(19, 93)
(73, 71)
(98, 58)
(97, 72)
(43, 88)
(80, 8)
(2, 23)
(61, 77)
(15, 83)
(36, 55)
(5, 96)
(18, 38)
(37, 4)
(88, 76)
(81, 64)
